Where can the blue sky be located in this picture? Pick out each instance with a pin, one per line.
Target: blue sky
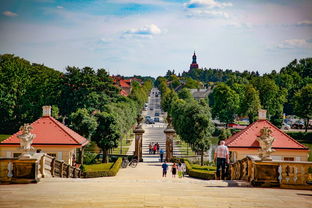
(149, 37)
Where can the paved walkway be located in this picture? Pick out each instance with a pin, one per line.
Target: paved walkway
(143, 186)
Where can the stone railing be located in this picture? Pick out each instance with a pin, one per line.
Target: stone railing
(14, 170)
(284, 174)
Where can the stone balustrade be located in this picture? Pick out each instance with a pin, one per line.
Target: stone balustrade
(284, 174)
(14, 170)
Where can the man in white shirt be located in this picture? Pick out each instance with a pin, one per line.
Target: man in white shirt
(221, 156)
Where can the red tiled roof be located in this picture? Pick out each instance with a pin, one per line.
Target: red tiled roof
(49, 131)
(123, 83)
(247, 138)
(124, 93)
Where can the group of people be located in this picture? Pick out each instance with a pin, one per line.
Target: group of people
(153, 148)
(179, 168)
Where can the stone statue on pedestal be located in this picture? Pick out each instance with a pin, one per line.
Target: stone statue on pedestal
(26, 140)
(265, 141)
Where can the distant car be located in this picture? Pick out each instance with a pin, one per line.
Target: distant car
(151, 108)
(156, 114)
(298, 125)
(156, 119)
(285, 126)
(147, 117)
(149, 121)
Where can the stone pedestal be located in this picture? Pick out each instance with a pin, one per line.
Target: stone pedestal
(138, 132)
(170, 133)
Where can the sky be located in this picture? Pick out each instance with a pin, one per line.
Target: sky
(150, 37)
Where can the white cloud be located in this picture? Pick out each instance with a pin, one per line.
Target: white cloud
(295, 43)
(144, 32)
(9, 14)
(206, 4)
(60, 7)
(208, 13)
(304, 23)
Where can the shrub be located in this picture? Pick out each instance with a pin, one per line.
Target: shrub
(89, 158)
(102, 170)
(201, 172)
(301, 136)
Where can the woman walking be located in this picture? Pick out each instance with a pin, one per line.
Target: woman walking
(174, 170)
(180, 170)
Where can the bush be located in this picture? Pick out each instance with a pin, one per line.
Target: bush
(102, 170)
(89, 158)
(301, 136)
(197, 171)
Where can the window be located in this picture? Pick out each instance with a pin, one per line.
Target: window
(16, 154)
(289, 159)
(52, 154)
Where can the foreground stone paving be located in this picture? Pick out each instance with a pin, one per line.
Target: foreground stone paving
(144, 187)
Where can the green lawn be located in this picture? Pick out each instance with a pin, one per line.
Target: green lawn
(98, 167)
(3, 137)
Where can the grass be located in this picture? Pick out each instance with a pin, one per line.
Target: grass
(4, 136)
(98, 167)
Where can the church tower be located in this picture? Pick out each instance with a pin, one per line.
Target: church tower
(194, 64)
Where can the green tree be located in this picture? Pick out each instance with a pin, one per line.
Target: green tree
(83, 123)
(226, 103)
(302, 102)
(107, 133)
(185, 94)
(250, 103)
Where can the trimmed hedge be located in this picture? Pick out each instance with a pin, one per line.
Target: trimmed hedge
(301, 136)
(104, 173)
(196, 173)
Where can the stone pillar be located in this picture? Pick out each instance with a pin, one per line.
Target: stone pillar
(170, 133)
(138, 132)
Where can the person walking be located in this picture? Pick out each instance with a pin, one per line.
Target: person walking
(164, 167)
(161, 154)
(150, 148)
(154, 149)
(174, 170)
(183, 169)
(157, 146)
(180, 171)
(221, 156)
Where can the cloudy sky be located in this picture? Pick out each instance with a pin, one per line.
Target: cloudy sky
(149, 37)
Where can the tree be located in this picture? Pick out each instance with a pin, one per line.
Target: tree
(250, 103)
(107, 134)
(271, 96)
(83, 123)
(302, 102)
(226, 103)
(167, 100)
(185, 94)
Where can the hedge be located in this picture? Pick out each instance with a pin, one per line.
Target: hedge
(104, 173)
(195, 173)
(301, 136)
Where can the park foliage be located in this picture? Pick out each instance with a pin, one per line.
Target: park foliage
(85, 99)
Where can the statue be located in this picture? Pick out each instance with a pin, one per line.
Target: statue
(169, 120)
(25, 140)
(139, 121)
(265, 140)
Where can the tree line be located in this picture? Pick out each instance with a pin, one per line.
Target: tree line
(85, 99)
(243, 93)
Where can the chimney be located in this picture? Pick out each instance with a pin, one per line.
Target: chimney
(46, 110)
(262, 114)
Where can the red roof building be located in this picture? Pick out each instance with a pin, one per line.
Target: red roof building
(245, 143)
(52, 137)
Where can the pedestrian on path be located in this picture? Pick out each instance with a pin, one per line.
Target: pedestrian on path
(157, 145)
(164, 167)
(180, 171)
(174, 170)
(221, 156)
(161, 153)
(183, 169)
(150, 148)
(154, 148)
